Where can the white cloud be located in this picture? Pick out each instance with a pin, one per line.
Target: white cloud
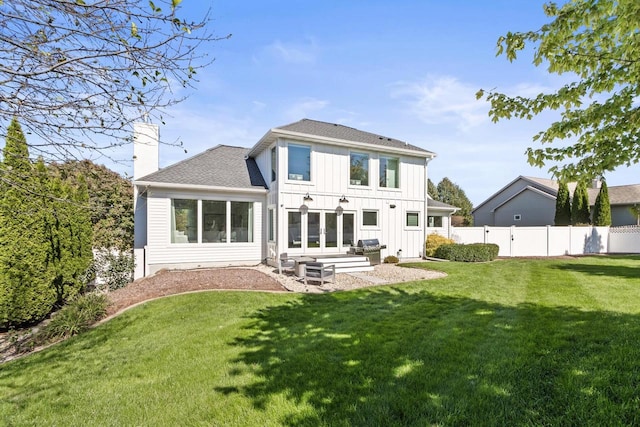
(294, 53)
(305, 107)
(443, 100)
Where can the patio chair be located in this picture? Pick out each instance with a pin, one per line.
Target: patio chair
(318, 272)
(286, 264)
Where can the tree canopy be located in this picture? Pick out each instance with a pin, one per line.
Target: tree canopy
(451, 193)
(77, 73)
(596, 45)
(110, 201)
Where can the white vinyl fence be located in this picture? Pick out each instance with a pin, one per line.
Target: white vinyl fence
(552, 241)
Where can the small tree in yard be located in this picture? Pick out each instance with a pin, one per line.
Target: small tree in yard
(602, 208)
(25, 279)
(563, 205)
(580, 206)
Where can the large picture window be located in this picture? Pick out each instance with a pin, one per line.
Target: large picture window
(299, 159)
(222, 221)
(241, 222)
(214, 221)
(359, 169)
(184, 221)
(389, 172)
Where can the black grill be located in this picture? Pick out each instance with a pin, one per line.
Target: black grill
(370, 248)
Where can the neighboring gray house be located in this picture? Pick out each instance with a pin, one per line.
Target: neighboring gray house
(529, 201)
(308, 187)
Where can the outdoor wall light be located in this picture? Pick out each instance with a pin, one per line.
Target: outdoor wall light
(343, 199)
(307, 198)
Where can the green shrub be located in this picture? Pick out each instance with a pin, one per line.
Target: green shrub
(434, 241)
(391, 259)
(475, 252)
(112, 270)
(74, 318)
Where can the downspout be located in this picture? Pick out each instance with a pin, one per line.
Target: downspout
(426, 208)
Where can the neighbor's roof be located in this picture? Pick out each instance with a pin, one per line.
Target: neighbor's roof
(337, 133)
(618, 194)
(221, 166)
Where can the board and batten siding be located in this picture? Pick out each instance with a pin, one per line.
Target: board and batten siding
(330, 180)
(161, 253)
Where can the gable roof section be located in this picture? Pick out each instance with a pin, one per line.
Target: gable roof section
(221, 167)
(546, 185)
(527, 188)
(337, 134)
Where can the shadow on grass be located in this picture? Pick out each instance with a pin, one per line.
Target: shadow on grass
(609, 267)
(390, 357)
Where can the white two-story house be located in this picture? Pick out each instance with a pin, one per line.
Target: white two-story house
(309, 187)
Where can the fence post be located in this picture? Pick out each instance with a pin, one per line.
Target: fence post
(548, 239)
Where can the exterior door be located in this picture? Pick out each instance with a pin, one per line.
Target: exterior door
(320, 231)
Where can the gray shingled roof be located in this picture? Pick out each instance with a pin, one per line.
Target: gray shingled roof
(618, 194)
(221, 166)
(437, 204)
(337, 131)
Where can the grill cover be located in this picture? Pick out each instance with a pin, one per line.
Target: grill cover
(369, 243)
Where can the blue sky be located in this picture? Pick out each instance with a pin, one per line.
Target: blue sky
(403, 69)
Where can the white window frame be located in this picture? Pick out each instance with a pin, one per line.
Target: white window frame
(377, 225)
(311, 150)
(517, 217)
(369, 174)
(384, 156)
(406, 219)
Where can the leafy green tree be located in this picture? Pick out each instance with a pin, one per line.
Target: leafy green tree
(580, 205)
(563, 205)
(594, 45)
(602, 207)
(432, 190)
(25, 277)
(110, 202)
(451, 193)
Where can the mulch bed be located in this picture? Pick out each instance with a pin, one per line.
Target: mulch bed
(170, 282)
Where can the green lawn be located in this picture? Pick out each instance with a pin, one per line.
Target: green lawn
(512, 342)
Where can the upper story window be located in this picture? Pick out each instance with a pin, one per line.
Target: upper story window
(359, 169)
(299, 162)
(389, 172)
(273, 164)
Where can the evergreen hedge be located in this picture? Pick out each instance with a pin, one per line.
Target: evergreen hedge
(475, 252)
